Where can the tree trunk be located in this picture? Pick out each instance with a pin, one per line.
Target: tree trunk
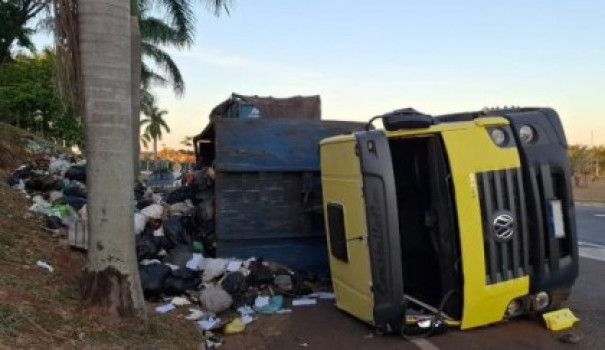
(135, 61)
(155, 153)
(111, 279)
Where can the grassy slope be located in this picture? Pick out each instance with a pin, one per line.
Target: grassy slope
(39, 309)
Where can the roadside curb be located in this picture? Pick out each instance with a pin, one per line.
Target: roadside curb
(589, 204)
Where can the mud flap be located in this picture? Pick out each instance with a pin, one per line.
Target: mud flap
(383, 229)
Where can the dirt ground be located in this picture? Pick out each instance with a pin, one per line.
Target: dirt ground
(594, 192)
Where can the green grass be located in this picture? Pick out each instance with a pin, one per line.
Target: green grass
(7, 240)
(10, 320)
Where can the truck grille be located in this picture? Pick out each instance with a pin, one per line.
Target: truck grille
(549, 252)
(501, 194)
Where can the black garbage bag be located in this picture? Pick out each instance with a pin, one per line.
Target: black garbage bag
(153, 277)
(201, 179)
(182, 280)
(161, 242)
(182, 230)
(43, 183)
(180, 195)
(12, 180)
(236, 285)
(204, 212)
(139, 191)
(53, 222)
(144, 203)
(259, 273)
(75, 202)
(76, 172)
(23, 173)
(174, 230)
(147, 246)
(164, 242)
(73, 190)
(179, 255)
(203, 195)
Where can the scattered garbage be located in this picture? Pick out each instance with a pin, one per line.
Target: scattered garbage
(153, 211)
(209, 324)
(165, 308)
(247, 319)
(235, 326)
(175, 247)
(45, 265)
(180, 301)
(304, 301)
(215, 299)
(195, 263)
(195, 314)
(560, 319)
(275, 303)
(322, 295)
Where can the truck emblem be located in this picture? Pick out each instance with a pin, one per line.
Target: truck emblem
(503, 226)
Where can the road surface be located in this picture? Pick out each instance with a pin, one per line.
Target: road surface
(323, 326)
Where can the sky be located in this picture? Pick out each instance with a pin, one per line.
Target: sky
(366, 58)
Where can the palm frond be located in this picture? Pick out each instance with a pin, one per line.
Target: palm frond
(164, 60)
(156, 31)
(217, 6)
(180, 14)
(149, 77)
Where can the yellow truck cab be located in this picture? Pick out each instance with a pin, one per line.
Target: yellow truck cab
(469, 216)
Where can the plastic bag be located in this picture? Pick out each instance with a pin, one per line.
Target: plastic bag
(76, 172)
(153, 211)
(215, 299)
(153, 277)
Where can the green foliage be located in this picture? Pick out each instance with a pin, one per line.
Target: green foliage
(14, 17)
(586, 162)
(28, 99)
(176, 29)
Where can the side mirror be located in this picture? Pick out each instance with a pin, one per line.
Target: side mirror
(406, 118)
(407, 121)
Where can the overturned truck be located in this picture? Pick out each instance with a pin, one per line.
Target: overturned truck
(470, 216)
(267, 189)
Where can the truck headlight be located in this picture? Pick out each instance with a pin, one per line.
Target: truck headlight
(514, 308)
(498, 136)
(541, 301)
(527, 134)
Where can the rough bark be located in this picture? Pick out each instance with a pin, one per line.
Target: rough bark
(135, 61)
(112, 281)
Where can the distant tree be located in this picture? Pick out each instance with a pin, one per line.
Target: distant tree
(15, 15)
(154, 124)
(187, 141)
(28, 99)
(579, 158)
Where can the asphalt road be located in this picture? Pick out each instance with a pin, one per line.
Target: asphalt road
(322, 326)
(590, 221)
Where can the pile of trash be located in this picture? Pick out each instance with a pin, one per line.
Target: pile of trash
(57, 187)
(176, 251)
(175, 247)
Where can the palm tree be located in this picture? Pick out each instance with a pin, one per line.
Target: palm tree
(14, 16)
(154, 123)
(112, 277)
(149, 35)
(187, 141)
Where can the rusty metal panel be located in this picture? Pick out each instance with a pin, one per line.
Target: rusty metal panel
(273, 144)
(263, 205)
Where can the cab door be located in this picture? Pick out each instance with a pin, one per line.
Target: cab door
(362, 228)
